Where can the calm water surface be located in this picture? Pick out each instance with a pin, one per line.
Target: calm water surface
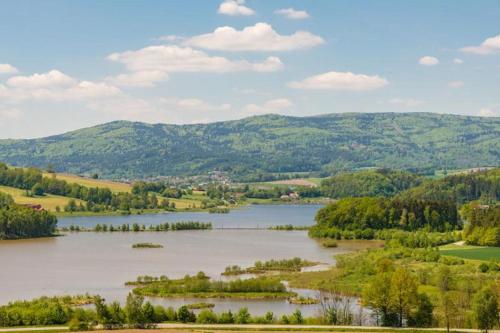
(100, 263)
(253, 216)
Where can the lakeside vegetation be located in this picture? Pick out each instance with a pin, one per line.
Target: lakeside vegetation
(136, 227)
(18, 221)
(146, 246)
(135, 313)
(290, 265)
(436, 290)
(201, 305)
(200, 286)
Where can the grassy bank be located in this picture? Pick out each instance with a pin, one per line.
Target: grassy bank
(482, 253)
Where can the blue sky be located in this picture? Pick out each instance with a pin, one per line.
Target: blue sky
(71, 64)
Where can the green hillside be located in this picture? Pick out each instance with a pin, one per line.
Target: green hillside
(268, 143)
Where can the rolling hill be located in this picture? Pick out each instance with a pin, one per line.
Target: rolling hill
(269, 143)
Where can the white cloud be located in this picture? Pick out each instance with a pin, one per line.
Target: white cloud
(489, 46)
(53, 78)
(340, 81)
(8, 69)
(292, 13)
(170, 38)
(235, 8)
(260, 37)
(456, 84)
(138, 79)
(271, 106)
(406, 102)
(428, 61)
(172, 59)
(9, 114)
(486, 112)
(54, 86)
(458, 61)
(164, 109)
(196, 104)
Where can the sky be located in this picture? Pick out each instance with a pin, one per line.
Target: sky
(66, 65)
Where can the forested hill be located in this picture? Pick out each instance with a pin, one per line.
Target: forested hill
(269, 143)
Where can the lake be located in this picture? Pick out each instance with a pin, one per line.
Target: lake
(253, 216)
(100, 263)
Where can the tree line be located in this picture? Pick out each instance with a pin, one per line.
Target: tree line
(483, 227)
(380, 182)
(461, 188)
(382, 213)
(136, 227)
(17, 221)
(96, 198)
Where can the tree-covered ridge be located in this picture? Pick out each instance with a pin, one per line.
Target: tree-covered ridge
(461, 188)
(381, 182)
(269, 143)
(18, 222)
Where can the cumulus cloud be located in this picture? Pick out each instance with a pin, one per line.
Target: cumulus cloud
(138, 79)
(340, 81)
(458, 61)
(456, 84)
(259, 37)
(235, 8)
(54, 86)
(8, 69)
(175, 59)
(428, 61)
(489, 46)
(487, 112)
(164, 109)
(406, 102)
(271, 106)
(292, 13)
(53, 78)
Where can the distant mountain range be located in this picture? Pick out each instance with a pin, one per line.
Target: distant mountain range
(269, 143)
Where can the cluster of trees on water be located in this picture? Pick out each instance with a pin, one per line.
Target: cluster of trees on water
(18, 221)
(291, 265)
(382, 213)
(200, 284)
(136, 227)
(483, 227)
(97, 199)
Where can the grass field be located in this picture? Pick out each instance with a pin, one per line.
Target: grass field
(89, 182)
(472, 252)
(48, 202)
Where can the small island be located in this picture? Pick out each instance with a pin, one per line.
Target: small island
(283, 265)
(200, 286)
(147, 246)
